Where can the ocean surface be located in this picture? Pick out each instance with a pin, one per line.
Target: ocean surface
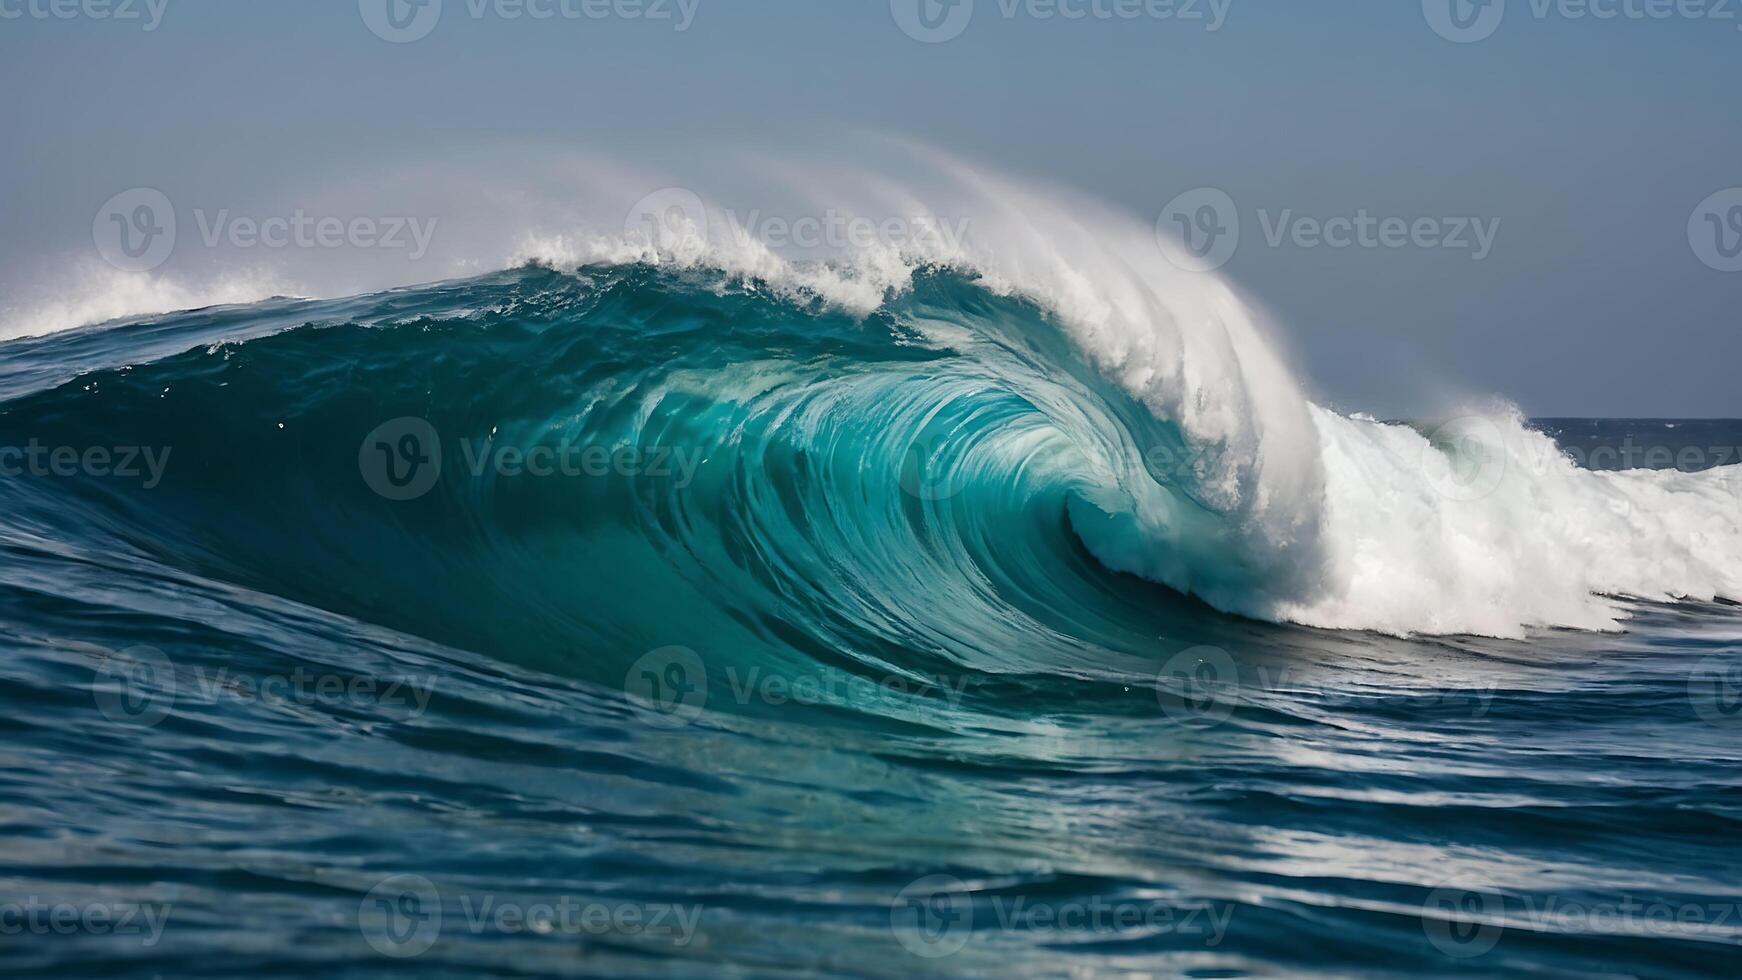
(633, 619)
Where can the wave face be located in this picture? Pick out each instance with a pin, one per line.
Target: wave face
(629, 457)
(957, 517)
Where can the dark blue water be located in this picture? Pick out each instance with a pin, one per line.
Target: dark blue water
(611, 625)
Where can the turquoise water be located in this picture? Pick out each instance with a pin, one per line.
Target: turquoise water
(624, 623)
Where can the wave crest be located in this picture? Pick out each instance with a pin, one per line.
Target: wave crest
(1050, 358)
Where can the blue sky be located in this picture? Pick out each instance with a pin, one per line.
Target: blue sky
(1591, 142)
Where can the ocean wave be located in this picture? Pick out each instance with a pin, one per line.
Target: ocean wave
(895, 478)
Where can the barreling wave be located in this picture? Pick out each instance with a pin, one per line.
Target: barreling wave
(916, 445)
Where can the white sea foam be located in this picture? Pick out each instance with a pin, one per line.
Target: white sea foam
(97, 294)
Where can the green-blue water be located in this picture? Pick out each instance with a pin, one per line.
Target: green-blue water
(617, 623)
